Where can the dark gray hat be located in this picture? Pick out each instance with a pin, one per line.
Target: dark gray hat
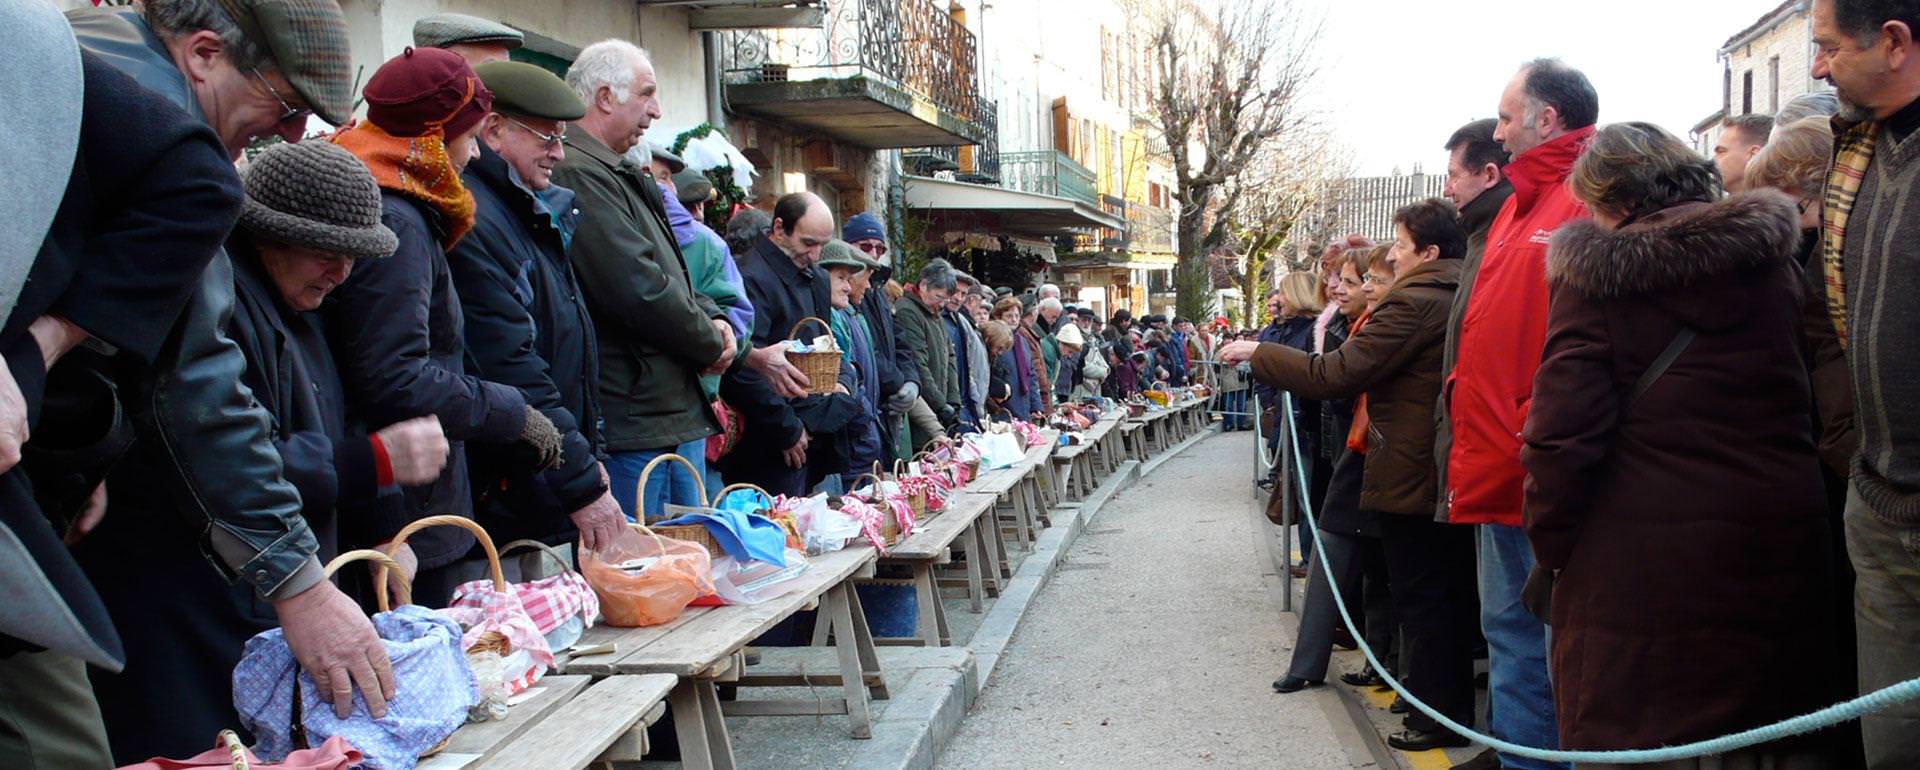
(692, 187)
(444, 29)
(316, 195)
(520, 88)
(660, 153)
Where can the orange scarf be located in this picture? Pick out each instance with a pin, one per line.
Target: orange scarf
(414, 166)
(1357, 435)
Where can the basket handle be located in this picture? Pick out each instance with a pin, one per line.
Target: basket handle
(879, 490)
(550, 551)
(699, 484)
(803, 321)
(732, 488)
(443, 520)
(386, 562)
(658, 541)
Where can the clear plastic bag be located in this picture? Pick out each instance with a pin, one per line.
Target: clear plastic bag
(644, 579)
(753, 582)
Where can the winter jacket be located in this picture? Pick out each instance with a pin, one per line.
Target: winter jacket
(654, 331)
(1504, 323)
(1688, 525)
(711, 268)
(398, 335)
(1041, 384)
(1395, 360)
(190, 410)
(979, 370)
(1475, 218)
(116, 263)
(783, 295)
(528, 328)
(922, 333)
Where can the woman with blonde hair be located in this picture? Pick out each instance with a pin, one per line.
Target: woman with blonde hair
(1673, 364)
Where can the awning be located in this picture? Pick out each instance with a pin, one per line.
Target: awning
(1030, 247)
(989, 208)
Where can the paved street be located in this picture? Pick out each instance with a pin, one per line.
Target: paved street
(1156, 642)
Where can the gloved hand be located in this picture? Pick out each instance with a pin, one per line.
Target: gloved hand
(902, 399)
(540, 434)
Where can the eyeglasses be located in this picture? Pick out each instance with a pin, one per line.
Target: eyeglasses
(872, 248)
(288, 112)
(546, 140)
(1376, 280)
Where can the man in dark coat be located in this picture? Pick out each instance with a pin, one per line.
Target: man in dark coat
(922, 334)
(656, 334)
(526, 325)
(788, 444)
(1395, 361)
(899, 376)
(203, 447)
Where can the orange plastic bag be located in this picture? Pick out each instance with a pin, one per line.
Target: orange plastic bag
(644, 579)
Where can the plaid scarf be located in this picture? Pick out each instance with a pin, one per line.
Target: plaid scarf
(414, 166)
(1852, 153)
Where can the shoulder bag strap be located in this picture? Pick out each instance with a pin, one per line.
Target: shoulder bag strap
(1659, 367)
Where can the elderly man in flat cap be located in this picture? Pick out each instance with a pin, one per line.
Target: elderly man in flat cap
(477, 40)
(526, 323)
(249, 69)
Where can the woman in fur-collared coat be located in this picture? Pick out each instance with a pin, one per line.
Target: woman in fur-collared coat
(1685, 521)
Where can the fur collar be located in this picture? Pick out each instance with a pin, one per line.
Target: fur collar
(1675, 248)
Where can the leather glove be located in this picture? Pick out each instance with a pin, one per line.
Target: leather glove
(902, 399)
(540, 434)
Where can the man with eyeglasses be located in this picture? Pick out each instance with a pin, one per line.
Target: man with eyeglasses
(204, 450)
(526, 325)
(899, 375)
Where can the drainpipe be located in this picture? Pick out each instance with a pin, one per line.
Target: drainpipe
(716, 111)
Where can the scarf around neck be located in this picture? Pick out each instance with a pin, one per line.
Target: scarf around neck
(415, 166)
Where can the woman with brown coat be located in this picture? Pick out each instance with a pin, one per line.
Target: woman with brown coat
(1395, 360)
(1673, 488)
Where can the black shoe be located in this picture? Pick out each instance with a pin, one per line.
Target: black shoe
(1421, 740)
(1400, 706)
(1291, 683)
(1342, 640)
(1480, 680)
(1365, 677)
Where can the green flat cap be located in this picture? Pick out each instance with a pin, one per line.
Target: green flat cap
(444, 29)
(660, 153)
(692, 187)
(307, 40)
(524, 89)
(839, 253)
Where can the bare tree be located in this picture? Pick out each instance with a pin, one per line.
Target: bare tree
(1228, 81)
(1277, 196)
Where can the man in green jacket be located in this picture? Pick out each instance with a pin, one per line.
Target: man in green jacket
(917, 319)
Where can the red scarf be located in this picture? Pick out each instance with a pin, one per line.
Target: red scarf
(1357, 435)
(415, 166)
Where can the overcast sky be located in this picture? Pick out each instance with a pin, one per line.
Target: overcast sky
(1401, 75)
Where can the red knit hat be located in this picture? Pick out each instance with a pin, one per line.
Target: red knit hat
(426, 89)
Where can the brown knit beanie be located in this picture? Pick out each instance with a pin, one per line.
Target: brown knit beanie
(316, 195)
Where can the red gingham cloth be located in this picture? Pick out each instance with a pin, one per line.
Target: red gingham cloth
(549, 601)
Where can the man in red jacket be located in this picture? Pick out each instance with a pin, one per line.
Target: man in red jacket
(1546, 119)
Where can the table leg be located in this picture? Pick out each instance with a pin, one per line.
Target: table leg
(975, 594)
(927, 593)
(851, 683)
(862, 637)
(986, 533)
(1030, 491)
(703, 736)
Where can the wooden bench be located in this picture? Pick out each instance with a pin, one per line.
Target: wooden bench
(568, 722)
(1133, 438)
(1073, 470)
(703, 646)
(933, 545)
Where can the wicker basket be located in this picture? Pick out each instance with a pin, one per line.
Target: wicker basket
(299, 730)
(692, 533)
(916, 499)
(889, 524)
(821, 367)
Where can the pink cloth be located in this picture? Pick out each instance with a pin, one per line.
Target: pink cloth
(335, 754)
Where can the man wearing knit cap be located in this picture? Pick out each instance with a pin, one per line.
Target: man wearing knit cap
(526, 325)
(210, 442)
(899, 375)
(656, 334)
(477, 40)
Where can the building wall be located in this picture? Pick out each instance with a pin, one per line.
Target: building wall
(381, 29)
(1791, 44)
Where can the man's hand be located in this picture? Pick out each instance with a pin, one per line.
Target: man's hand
(56, 336)
(841, 388)
(90, 516)
(335, 642)
(727, 350)
(599, 522)
(796, 455)
(13, 419)
(1237, 352)
(786, 379)
(416, 449)
(902, 399)
(397, 579)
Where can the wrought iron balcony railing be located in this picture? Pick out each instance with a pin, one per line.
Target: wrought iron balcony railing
(913, 45)
(1050, 172)
(979, 164)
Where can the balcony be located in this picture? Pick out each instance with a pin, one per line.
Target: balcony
(876, 73)
(1048, 172)
(979, 164)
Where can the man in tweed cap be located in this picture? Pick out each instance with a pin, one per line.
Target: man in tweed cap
(209, 467)
(477, 40)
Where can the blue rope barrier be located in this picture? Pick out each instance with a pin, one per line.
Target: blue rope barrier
(1877, 700)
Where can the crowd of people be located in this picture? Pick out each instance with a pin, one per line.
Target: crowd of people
(1628, 419)
(234, 350)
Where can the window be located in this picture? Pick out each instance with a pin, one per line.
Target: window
(1773, 82)
(1746, 92)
